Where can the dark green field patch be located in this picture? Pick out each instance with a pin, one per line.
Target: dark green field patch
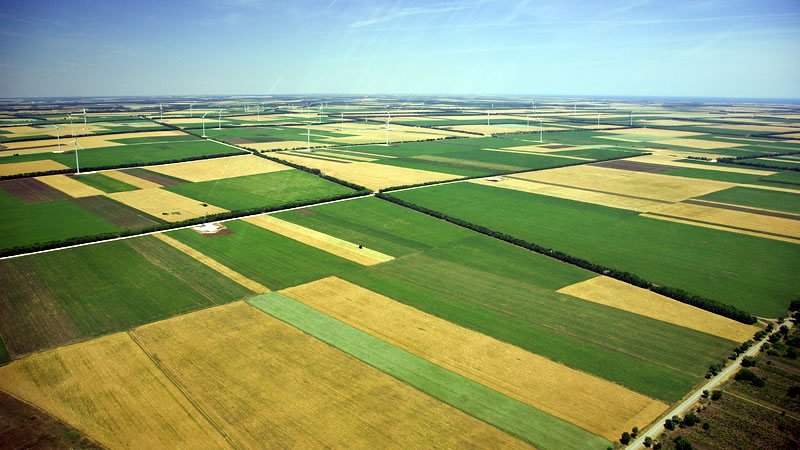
(748, 272)
(104, 183)
(92, 290)
(599, 153)
(757, 198)
(731, 177)
(261, 190)
(115, 212)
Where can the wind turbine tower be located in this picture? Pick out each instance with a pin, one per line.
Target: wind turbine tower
(220, 120)
(204, 124)
(59, 138)
(84, 118)
(162, 111)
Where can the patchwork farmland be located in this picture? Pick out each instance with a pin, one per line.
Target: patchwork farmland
(300, 273)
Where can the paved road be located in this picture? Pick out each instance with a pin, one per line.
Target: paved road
(687, 404)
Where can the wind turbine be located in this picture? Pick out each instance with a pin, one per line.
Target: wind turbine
(487, 118)
(598, 120)
(342, 122)
(190, 109)
(162, 111)
(528, 120)
(308, 136)
(319, 119)
(84, 118)
(77, 165)
(540, 130)
(220, 120)
(631, 118)
(204, 125)
(59, 138)
(71, 126)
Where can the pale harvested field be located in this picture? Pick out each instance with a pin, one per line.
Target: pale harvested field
(779, 160)
(675, 123)
(208, 261)
(64, 131)
(365, 133)
(281, 145)
(763, 141)
(110, 390)
(616, 138)
(597, 198)
(657, 132)
(596, 405)
(51, 145)
(670, 161)
(758, 128)
(157, 202)
(371, 175)
(720, 227)
(322, 241)
(488, 130)
(625, 182)
(70, 186)
(130, 179)
(266, 384)
(727, 217)
(30, 167)
(465, 162)
(188, 120)
(218, 168)
(791, 135)
(346, 156)
(698, 143)
(610, 292)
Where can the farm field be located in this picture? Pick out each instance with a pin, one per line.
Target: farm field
(751, 275)
(325, 397)
(514, 417)
(93, 290)
(296, 327)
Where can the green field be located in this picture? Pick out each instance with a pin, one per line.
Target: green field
(507, 414)
(104, 183)
(261, 190)
(757, 198)
(740, 270)
(266, 257)
(133, 154)
(29, 223)
(87, 291)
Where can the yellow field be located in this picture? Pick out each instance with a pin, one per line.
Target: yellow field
(792, 135)
(720, 216)
(762, 128)
(64, 131)
(266, 384)
(218, 168)
(657, 132)
(625, 182)
(615, 293)
(70, 186)
(365, 133)
(51, 145)
(594, 404)
(616, 138)
(466, 162)
(110, 390)
(373, 176)
(597, 198)
(281, 145)
(322, 241)
(698, 143)
(660, 158)
(720, 227)
(675, 123)
(30, 167)
(130, 179)
(208, 261)
(340, 155)
(780, 160)
(165, 205)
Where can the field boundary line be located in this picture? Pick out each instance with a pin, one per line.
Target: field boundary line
(33, 405)
(749, 400)
(179, 387)
(214, 264)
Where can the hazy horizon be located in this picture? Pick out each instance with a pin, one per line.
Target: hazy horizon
(686, 49)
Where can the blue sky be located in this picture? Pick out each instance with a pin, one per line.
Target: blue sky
(728, 48)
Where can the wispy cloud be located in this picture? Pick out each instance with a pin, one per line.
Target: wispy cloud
(397, 13)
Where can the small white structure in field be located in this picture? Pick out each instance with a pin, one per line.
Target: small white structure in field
(495, 179)
(208, 228)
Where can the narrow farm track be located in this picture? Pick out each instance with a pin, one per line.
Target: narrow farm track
(690, 401)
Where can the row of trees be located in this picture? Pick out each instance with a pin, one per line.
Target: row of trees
(674, 293)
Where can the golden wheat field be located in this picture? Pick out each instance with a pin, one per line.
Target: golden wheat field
(70, 186)
(266, 384)
(30, 167)
(165, 205)
(218, 168)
